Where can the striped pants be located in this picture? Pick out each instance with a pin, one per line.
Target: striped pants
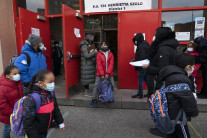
(181, 131)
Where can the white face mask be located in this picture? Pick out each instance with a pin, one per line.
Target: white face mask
(50, 87)
(154, 37)
(190, 72)
(42, 47)
(56, 44)
(190, 49)
(16, 77)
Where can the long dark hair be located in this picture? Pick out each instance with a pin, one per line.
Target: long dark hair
(40, 76)
(8, 69)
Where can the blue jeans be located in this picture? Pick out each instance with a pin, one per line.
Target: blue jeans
(142, 76)
(43, 135)
(7, 130)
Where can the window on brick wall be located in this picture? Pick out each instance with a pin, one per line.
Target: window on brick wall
(55, 6)
(37, 6)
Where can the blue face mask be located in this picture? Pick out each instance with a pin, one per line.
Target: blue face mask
(50, 87)
(190, 72)
(42, 47)
(16, 77)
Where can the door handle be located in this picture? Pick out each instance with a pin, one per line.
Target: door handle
(69, 56)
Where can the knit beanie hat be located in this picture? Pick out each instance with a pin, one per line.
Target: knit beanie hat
(185, 59)
(34, 39)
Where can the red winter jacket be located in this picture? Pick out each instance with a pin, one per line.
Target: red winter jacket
(101, 64)
(10, 93)
(197, 66)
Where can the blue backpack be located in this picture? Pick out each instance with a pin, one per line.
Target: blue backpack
(16, 116)
(105, 91)
(159, 108)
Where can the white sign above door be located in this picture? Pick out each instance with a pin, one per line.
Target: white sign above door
(116, 5)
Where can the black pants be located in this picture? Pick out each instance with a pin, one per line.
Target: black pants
(57, 66)
(192, 82)
(86, 86)
(181, 131)
(151, 84)
(204, 75)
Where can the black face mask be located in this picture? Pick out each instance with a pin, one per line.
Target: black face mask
(90, 42)
(39, 50)
(135, 43)
(104, 49)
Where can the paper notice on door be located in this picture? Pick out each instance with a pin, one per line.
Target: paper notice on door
(199, 32)
(200, 23)
(36, 31)
(77, 32)
(140, 63)
(183, 36)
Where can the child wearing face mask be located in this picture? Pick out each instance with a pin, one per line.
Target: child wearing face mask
(105, 66)
(10, 92)
(192, 51)
(36, 124)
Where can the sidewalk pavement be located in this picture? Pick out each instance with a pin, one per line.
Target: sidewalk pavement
(122, 98)
(112, 123)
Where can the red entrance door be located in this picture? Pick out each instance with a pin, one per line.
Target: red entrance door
(130, 23)
(29, 21)
(73, 34)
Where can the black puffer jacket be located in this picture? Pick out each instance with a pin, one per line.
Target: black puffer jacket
(35, 123)
(165, 55)
(174, 75)
(202, 49)
(142, 52)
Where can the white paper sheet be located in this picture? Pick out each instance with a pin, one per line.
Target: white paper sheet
(183, 36)
(35, 31)
(77, 32)
(140, 63)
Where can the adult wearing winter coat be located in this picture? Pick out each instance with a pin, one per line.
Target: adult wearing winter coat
(141, 54)
(10, 93)
(181, 99)
(161, 54)
(34, 48)
(88, 63)
(57, 56)
(202, 59)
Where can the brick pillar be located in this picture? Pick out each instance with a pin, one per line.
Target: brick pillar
(7, 33)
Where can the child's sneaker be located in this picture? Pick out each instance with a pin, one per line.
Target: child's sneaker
(92, 104)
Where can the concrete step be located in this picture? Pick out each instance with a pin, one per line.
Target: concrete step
(123, 100)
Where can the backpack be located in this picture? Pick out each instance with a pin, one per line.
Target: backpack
(105, 91)
(16, 117)
(14, 58)
(159, 108)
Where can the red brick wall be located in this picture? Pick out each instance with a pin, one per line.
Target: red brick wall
(7, 32)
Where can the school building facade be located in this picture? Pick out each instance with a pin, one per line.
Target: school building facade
(68, 21)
